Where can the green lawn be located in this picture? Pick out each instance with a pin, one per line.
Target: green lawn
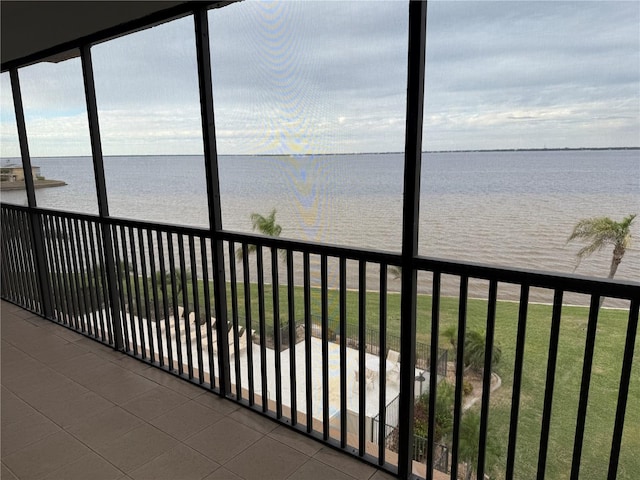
(604, 384)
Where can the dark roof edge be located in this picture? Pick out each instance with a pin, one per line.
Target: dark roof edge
(138, 24)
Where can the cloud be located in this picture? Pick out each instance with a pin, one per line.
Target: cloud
(568, 65)
(302, 77)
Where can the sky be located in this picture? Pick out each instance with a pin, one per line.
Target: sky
(330, 77)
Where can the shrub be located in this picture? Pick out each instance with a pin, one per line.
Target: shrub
(474, 351)
(444, 412)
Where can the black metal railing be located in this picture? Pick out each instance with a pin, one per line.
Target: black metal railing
(301, 347)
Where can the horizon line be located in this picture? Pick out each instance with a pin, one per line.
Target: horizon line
(488, 150)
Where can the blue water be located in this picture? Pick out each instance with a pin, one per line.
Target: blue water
(507, 208)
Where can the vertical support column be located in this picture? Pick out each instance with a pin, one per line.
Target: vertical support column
(101, 191)
(410, 220)
(37, 235)
(213, 191)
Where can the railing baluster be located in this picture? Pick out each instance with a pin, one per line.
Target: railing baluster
(84, 287)
(196, 307)
(517, 379)
(324, 299)
(28, 264)
(96, 270)
(292, 338)
(584, 387)
(263, 333)
(343, 352)
(234, 318)
(307, 340)
(382, 352)
(81, 273)
(246, 279)
(275, 291)
(486, 379)
(120, 280)
(156, 305)
(145, 290)
(433, 371)
(551, 373)
(18, 287)
(69, 275)
(38, 267)
(58, 253)
(25, 256)
(457, 406)
(165, 298)
(127, 277)
(207, 308)
(104, 251)
(51, 268)
(185, 305)
(92, 289)
(13, 248)
(136, 287)
(623, 391)
(174, 298)
(22, 261)
(8, 251)
(362, 352)
(73, 272)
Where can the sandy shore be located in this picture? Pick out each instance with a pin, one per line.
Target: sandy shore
(20, 185)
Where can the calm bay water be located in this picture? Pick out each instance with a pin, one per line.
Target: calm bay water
(505, 208)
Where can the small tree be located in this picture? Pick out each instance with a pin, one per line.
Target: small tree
(474, 351)
(451, 335)
(265, 225)
(474, 348)
(602, 231)
(444, 412)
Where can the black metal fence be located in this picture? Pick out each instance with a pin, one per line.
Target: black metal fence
(420, 444)
(372, 343)
(161, 308)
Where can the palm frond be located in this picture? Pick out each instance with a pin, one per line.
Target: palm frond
(250, 249)
(601, 231)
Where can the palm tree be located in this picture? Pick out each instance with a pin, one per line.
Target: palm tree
(474, 351)
(265, 225)
(602, 231)
(474, 348)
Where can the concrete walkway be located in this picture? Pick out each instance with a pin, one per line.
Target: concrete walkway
(75, 409)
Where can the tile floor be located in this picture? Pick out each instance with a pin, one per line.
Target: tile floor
(75, 409)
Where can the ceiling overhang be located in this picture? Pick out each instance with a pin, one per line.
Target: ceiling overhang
(33, 31)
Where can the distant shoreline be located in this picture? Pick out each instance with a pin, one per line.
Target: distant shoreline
(20, 185)
(559, 149)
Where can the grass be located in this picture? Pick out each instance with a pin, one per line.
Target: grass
(607, 362)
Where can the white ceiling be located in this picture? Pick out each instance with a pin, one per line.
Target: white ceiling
(28, 27)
